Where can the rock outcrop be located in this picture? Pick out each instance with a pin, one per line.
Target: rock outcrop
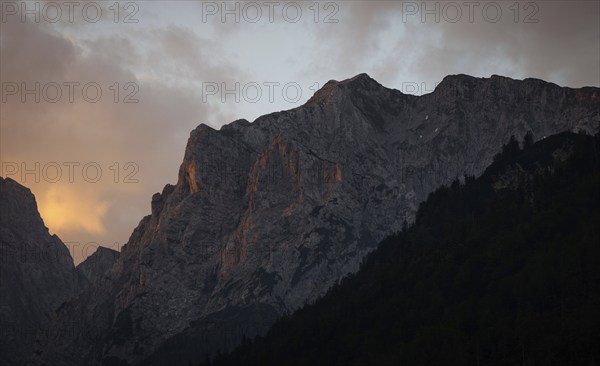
(97, 264)
(266, 216)
(37, 275)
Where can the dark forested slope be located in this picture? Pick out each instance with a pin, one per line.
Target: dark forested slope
(499, 270)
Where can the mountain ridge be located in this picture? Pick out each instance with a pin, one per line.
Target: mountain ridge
(265, 216)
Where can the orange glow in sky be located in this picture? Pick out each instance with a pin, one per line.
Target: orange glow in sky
(63, 210)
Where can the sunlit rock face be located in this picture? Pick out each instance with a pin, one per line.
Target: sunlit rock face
(37, 275)
(266, 216)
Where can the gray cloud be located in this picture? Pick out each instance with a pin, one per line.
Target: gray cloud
(552, 40)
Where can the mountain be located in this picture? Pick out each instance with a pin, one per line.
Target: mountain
(266, 216)
(500, 270)
(97, 264)
(36, 275)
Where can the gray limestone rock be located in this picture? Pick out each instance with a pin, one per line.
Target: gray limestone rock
(266, 216)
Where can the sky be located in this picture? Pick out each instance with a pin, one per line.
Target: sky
(99, 97)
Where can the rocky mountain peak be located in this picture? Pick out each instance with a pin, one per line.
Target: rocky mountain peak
(452, 81)
(333, 90)
(361, 81)
(97, 264)
(37, 274)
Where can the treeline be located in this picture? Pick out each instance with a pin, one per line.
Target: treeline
(486, 276)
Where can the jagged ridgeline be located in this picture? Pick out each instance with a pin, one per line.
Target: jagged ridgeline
(267, 216)
(499, 270)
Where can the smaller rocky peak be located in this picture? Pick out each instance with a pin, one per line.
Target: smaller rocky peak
(198, 135)
(361, 81)
(326, 94)
(471, 87)
(159, 199)
(333, 90)
(464, 85)
(234, 128)
(202, 138)
(236, 125)
(97, 264)
(457, 82)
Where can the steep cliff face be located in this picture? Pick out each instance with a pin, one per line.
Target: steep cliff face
(37, 274)
(266, 216)
(499, 269)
